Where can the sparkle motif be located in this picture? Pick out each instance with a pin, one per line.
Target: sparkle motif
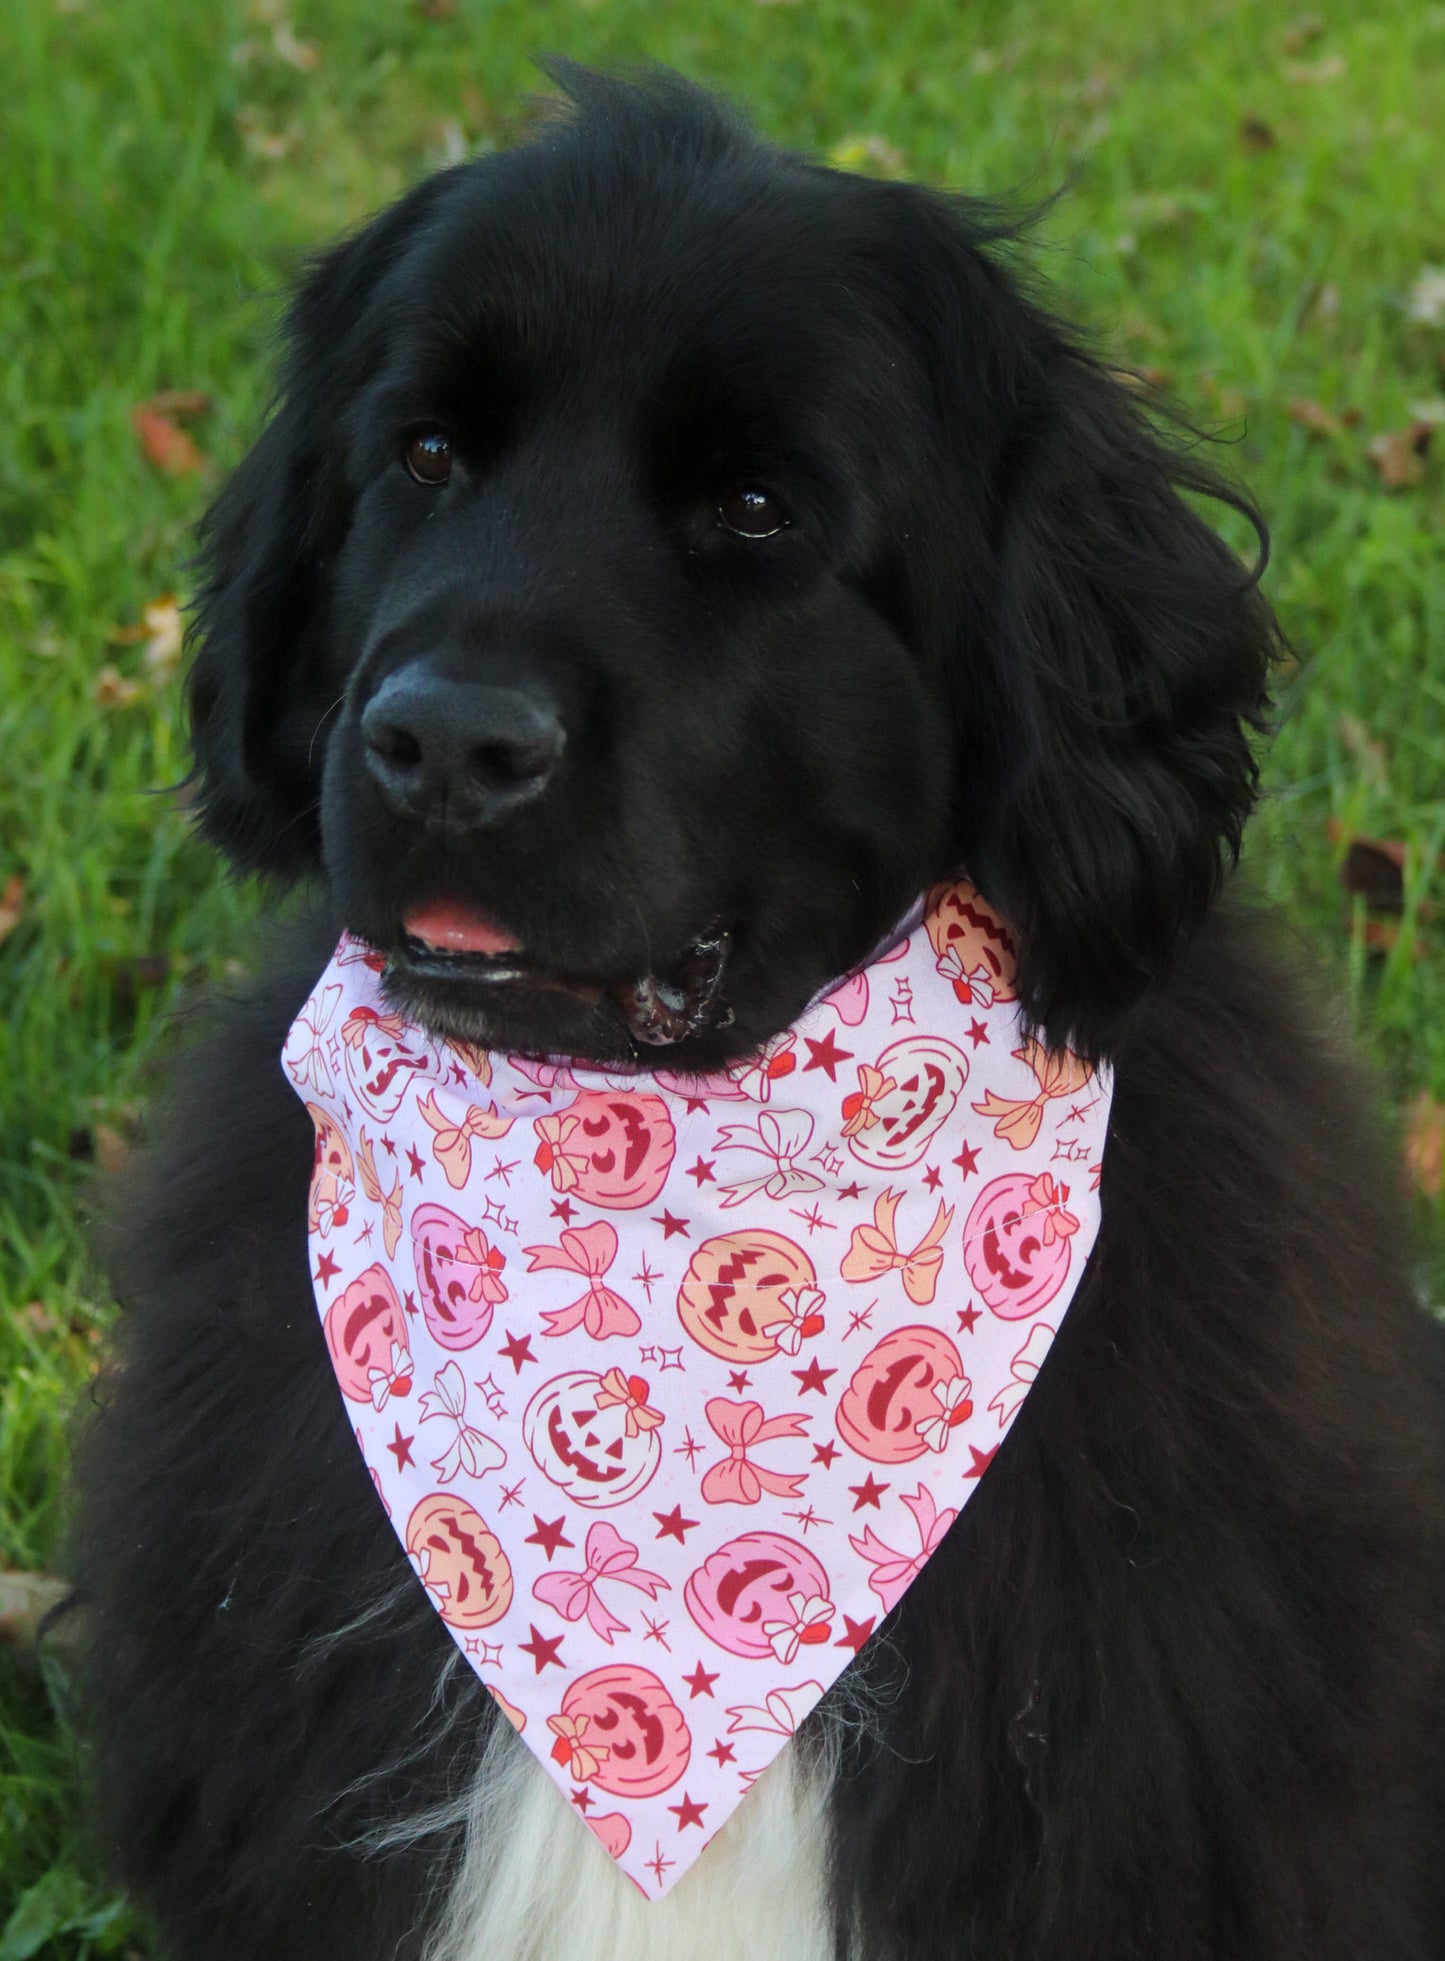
(363, 1238)
(492, 1397)
(648, 1277)
(830, 1159)
(859, 1317)
(807, 1518)
(1070, 1150)
(511, 1494)
(502, 1170)
(657, 1631)
(664, 1358)
(688, 1448)
(814, 1220)
(902, 1000)
(657, 1865)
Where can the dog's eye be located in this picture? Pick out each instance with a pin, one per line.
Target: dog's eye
(752, 512)
(429, 457)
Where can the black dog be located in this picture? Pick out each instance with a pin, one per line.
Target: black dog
(665, 545)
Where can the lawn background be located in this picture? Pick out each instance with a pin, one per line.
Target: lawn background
(1254, 194)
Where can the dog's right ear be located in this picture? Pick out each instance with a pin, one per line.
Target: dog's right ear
(261, 687)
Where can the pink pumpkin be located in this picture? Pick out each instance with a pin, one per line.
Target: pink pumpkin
(748, 1582)
(458, 1274)
(613, 1148)
(620, 1730)
(366, 1334)
(906, 1396)
(1016, 1242)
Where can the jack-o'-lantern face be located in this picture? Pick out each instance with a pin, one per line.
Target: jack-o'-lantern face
(620, 1730)
(366, 1334)
(613, 1148)
(903, 1102)
(383, 1057)
(458, 1275)
(748, 1584)
(1016, 1243)
(907, 1395)
(333, 1176)
(459, 1561)
(975, 948)
(732, 1297)
(594, 1436)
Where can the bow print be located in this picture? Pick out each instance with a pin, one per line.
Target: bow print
(775, 1060)
(811, 1623)
(359, 1024)
(780, 1136)
(547, 1076)
(440, 1590)
(487, 1283)
(734, 1480)
(956, 1396)
(849, 1000)
(858, 1111)
(631, 1390)
(894, 1572)
(609, 1557)
(469, 1449)
(873, 1250)
(781, 1712)
(973, 984)
(583, 1760)
(452, 1145)
(562, 1166)
(473, 1059)
(803, 1322)
(590, 1251)
(390, 1202)
(1025, 1367)
(305, 1055)
(1058, 1072)
(392, 1380)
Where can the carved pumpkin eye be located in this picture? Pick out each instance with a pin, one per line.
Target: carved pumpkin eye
(750, 511)
(429, 458)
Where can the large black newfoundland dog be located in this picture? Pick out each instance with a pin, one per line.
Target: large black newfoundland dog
(685, 554)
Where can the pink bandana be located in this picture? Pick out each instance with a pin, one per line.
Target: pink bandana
(670, 1387)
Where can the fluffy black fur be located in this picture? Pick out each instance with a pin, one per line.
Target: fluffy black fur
(1170, 1688)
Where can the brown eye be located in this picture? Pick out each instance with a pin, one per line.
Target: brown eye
(752, 512)
(429, 457)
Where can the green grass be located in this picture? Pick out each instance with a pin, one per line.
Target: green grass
(164, 167)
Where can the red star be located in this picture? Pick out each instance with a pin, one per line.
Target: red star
(849, 1191)
(813, 1377)
(413, 1158)
(824, 1454)
(326, 1269)
(739, 1379)
(670, 1225)
(968, 1158)
(966, 1318)
(977, 1033)
(409, 1303)
(825, 1054)
(702, 1171)
(688, 1812)
(542, 1651)
(387, 1145)
(981, 1461)
(582, 1799)
(932, 1177)
(400, 1448)
(517, 1349)
(867, 1493)
(674, 1525)
(695, 1103)
(722, 1751)
(563, 1208)
(699, 1682)
(548, 1537)
(855, 1633)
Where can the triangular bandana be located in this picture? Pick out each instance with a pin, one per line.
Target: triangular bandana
(670, 1387)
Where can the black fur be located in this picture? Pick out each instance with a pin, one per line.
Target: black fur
(1170, 1689)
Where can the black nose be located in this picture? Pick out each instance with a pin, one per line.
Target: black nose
(459, 752)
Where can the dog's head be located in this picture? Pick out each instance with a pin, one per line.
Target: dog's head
(668, 556)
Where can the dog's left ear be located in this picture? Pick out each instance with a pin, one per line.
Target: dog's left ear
(1111, 657)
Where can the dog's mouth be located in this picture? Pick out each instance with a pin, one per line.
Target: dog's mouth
(466, 949)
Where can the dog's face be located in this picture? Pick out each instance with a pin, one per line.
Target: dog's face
(667, 559)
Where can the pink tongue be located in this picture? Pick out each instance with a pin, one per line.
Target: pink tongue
(459, 930)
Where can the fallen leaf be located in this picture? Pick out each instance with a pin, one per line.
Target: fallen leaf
(1425, 301)
(12, 905)
(1314, 416)
(1366, 750)
(1256, 134)
(1424, 1141)
(1399, 456)
(165, 445)
(1374, 868)
(113, 689)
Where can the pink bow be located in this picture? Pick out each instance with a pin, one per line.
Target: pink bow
(849, 1000)
(487, 1284)
(564, 1168)
(390, 1202)
(631, 1390)
(873, 1250)
(734, 1480)
(590, 1251)
(452, 1146)
(609, 1557)
(894, 1572)
(858, 1111)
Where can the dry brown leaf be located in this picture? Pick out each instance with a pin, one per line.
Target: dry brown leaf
(1424, 1127)
(1366, 750)
(1314, 416)
(12, 905)
(1256, 134)
(1399, 456)
(165, 445)
(1374, 869)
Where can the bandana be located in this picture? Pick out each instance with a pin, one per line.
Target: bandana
(671, 1386)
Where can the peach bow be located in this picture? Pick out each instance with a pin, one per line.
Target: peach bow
(562, 1166)
(390, 1202)
(631, 1390)
(734, 1479)
(487, 1282)
(452, 1145)
(873, 1250)
(590, 1251)
(894, 1572)
(359, 1024)
(1058, 1072)
(609, 1557)
(583, 1760)
(858, 1111)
